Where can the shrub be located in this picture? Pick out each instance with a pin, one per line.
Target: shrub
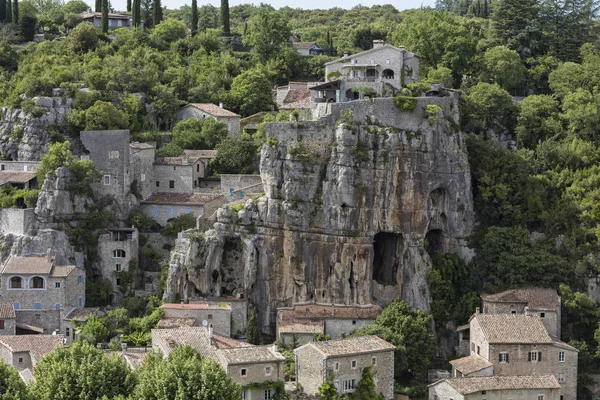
(405, 103)
(178, 224)
(346, 118)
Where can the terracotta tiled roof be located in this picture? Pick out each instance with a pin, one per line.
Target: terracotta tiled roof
(36, 345)
(62, 271)
(304, 45)
(302, 104)
(516, 382)
(168, 323)
(16, 177)
(295, 95)
(249, 355)
(27, 265)
(213, 110)
(356, 345)
(181, 160)
(179, 198)
(196, 306)
(197, 337)
(535, 298)
(470, 364)
(319, 311)
(196, 154)
(563, 345)
(82, 314)
(305, 327)
(224, 342)
(7, 311)
(512, 328)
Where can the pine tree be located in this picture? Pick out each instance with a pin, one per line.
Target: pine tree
(128, 5)
(105, 16)
(225, 16)
(194, 17)
(252, 330)
(157, 12)
(2, 10)
(15, 12)
(98, 6)
(8, 18)
(513, 24)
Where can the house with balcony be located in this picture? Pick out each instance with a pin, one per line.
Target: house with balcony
(380, 71)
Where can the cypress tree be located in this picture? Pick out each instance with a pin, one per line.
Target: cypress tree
(98, 6)
(225, 16)
(15, 12)
(157, 12)
(105, 16)
(252, 330)
(27, 27)
(135, 14)
(128, 5)
(2, 10)
(8, 18)
(194, 17)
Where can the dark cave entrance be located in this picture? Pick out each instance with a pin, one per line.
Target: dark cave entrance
(435, 241)
(386, 248)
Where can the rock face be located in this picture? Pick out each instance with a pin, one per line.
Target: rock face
(350, 214)
(26, 136)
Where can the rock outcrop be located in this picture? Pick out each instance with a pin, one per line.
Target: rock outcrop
(352, 208)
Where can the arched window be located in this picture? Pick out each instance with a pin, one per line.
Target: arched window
(16, 282)
(119, 253)
(387, 74)
(37, 282)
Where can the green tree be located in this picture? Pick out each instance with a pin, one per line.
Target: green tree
(235, 156)
(2, 10)
(27, 27)
(168, 31)
(538, 120)
(201, 134)
(178, 224)
(513, 24)
(251, 91)
(328, 391)
(12, 386)
(95, 330)
(81, 371)
(104, 116)
(440, 74)
(8, 56)
(128, 5)
(225, 17)
(9, 12)
(98, 5)
(157, 12)
(83, 38)
(268, 33)
(194, 21)
(75, 7)
(504, 67)
(105, 16)
(252, 329)
(488, 107)
(59, 155)
(136, 13)
(365, 389)
(15, 11)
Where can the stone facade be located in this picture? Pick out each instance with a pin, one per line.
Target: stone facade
(21, 166)
(442, 390)
(161, 213)
(218, 315)
(200, 111)
(230, 184)
(239, 310)
(115, 20)
(173, 178)
(116, 249)
(18, 221)
(142, 167)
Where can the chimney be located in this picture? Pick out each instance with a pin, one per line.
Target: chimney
(220, 105)
(332, 309)
(346, 54)
(49, 253)
(477, 310)
(124, 348)
(275, 349)
(378, 43)
(210, 330)
(526, 310)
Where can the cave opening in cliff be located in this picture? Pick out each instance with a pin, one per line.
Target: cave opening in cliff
(387, 249)
(434, 241)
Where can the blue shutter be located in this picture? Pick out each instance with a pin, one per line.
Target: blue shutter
(37, 306)
(57, 306)
(155, 210)
(16, 305)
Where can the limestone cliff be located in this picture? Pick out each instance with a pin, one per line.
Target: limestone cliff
(352, 207)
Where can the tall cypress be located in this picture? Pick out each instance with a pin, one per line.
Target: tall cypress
(194, 17)
(157, 12)
(8, 18)
(98, 6)
(225, 16)
(105, 16)
(2, 10)
(135, 13)
(15, 12)
(128, 5)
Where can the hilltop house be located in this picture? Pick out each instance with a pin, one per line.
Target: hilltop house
(509, 345)
(25, 351)
(40, 291)
(528, 387)
(219, 315)
(208, 110)
(115, 20)
(341, 361)
(383, 69)
(309, 48)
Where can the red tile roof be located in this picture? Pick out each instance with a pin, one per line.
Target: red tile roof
(7, 311)
(535, 298)
(213, 110)
(196, 306)
(27, 265)
(475, 384)
(16, 177)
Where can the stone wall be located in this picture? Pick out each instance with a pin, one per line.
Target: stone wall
(18, 221)
(310, 369)
(48, 319)
(108, 262)
(142, 167)
(334, 327)
(219, 317)
(231, 183)
(10, 327)
(182, 177)
(239, 311)
(161, 213)
(233, 123)
(25, 166)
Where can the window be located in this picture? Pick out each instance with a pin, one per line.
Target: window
(1, 324)
(243, 395)
(353, 322)
(38, 316)
(503, 357)
(535, 356)
(374, 361)
(157, 184)
(371, 61)
(513, 311)
(336, 367)
(483, 392)
(353, 363)
(562, 397)
(478, 350)
(542, 315)
(16, 305)
(171, 184)
(118, 281)
(540, 397)
(16, 283)
(209, 316)
(80, 302)
(174, 168)
(118, 267)
(143, 177)
(197, 167)
(472, 346)
(80, 280)
(2, 167)
(113, 155)
(25, 168)
(56, 285)
(267, 394)
(268, 371)
(119, 253)
(244, 372)
(67, 332)
(106, 180)
(387, 62)
(57, 306)
(36, 282)
(20, 360)
(561, 356)
(348, 385)
(561, 377)
(37, 305)
(436, 397)
(155, 210)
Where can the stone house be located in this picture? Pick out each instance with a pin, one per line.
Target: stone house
(115, 20)
(219, 315)
(116, 249)
(528, 387)
(542, 302)
(308, 48)
(25, 351)
(208, 110)
(20, 180)
(341, 362)
(40, 291)
(335, 319)
(518, 344)
(73, 320)
(8, 319)
(300, 333)
(164, 206)
(19, 166)
(141, 156)
(239, 310)
(384, 69)
(258, 369)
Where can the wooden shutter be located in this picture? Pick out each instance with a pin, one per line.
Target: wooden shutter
(507, 357)
(539, 356)
(529, 356)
